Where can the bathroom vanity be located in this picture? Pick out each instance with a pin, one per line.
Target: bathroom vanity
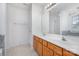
(51, 46)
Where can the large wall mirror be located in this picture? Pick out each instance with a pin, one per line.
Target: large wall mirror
(73, 22)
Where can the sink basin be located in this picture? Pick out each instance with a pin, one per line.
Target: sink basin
(53, 37)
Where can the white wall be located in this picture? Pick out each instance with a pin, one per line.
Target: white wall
(2, 18)
(3, 22)
(30, 26)
(18, 25)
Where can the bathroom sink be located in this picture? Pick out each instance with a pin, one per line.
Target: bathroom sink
(54, 37)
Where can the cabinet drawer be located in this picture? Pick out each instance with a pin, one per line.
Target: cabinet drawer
(44, 43)
(50, 46)
(67, 53)
(38, 39)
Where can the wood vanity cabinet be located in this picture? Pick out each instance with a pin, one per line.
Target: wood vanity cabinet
(45, 48)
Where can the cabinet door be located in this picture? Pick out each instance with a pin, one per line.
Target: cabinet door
(51, 46)
(39, 39)
(58, 50)
(47, 51)
(55, 48)
(67, 53)
(45, 43)
(39, 48)
(56, 54)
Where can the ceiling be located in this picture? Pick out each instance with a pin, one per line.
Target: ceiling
(63, 6)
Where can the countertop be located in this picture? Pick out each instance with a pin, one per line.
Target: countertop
(71, 43)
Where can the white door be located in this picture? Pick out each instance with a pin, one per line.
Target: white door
(18, 25)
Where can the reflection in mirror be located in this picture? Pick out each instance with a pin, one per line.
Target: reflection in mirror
(72, 25)
(54, 23)
(45, 22)
(60, 20)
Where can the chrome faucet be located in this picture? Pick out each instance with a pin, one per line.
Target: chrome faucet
(63, 39)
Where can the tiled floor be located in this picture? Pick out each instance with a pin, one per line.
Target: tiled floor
(22, 50)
